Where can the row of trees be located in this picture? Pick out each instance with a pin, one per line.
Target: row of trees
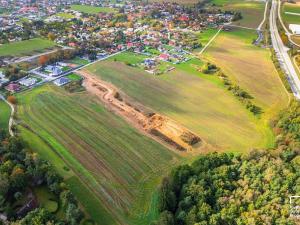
(252, 188)
(22, 170)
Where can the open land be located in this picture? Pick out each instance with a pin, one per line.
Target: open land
(185, 95)
(289, 18)
(27, 47)
(92, 9)
(4, 115)
(252, 11)
(250, 67)
(112, 159)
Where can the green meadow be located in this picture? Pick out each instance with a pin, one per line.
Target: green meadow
(92, 9)
(4, 115)
(27, 47)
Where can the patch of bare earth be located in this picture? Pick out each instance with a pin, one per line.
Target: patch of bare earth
(158, 127)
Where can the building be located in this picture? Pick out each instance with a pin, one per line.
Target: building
(295, 28)
(12, 87)
(53, 70)
(61, 81)
(28, 81)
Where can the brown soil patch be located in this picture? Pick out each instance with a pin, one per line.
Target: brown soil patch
(156, 126)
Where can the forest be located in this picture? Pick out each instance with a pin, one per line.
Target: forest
(224, 188)
(22, 173)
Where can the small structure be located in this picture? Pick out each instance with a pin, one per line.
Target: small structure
(3, 80)
(28, 81)
(295, 28)
(61, 81)
(13, 87)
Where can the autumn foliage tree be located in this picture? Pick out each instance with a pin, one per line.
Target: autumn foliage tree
(12, 99)
(43, 60)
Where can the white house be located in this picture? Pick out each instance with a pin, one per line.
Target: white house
(295, 28)
(53, 70)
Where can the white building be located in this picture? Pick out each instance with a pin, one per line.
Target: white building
(295, 28)
(28, 81)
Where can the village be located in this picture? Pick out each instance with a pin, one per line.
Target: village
(166, 33)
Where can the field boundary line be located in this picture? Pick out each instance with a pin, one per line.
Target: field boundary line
(210, 41)
(11, 120)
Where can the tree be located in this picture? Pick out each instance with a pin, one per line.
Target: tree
(12, 99)
(51, 36)
(43, 60)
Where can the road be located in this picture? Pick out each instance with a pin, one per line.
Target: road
(282, 52)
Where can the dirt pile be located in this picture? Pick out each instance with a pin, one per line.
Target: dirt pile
(153, 124)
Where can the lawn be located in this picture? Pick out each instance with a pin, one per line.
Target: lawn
(111, 163)
(4, 115)
(288, 18)
(74, 77)
(79, 61)
(65, 15)
(92, 9)
(27, 47)
(199, 102)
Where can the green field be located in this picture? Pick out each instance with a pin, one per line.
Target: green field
(92, 9)
(200, 102)
(252, 11)
(288, 18)
(4, 115)
(249, 66)
(111, 167)
(65, 15)
(27, 47)
(74, 77)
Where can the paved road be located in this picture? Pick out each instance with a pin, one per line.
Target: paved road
(282, 52)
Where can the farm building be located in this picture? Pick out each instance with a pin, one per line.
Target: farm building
(61, 81)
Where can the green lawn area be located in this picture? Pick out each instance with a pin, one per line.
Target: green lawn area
(288, 18)
(65, 15)
(199, 102)
(92, 9)
(79, 61)
(74, 77)
(4, 115)
(206, 35)
(111, 164)
(27, 47)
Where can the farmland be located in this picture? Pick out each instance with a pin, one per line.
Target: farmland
(25, 47)
(4, 115)
(289, 18)
(252, 11)
(197, 101)
(246, 63)
(107, 163)
(92, 9)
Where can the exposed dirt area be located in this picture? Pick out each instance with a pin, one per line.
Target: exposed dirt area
(158, 127)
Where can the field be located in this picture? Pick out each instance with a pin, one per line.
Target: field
(197, 101)
(252, 11)
(250, 67)
(65, 15)
(184, 2)
(92, 9)
(111, 167)
(4, 115)
(27, 47)
(288, 18)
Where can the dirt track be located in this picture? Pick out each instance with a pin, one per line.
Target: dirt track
(158, 127)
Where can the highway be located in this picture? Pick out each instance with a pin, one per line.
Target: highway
(282, 52)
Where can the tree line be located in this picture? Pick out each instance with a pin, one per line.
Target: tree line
(21, 171)
(252, 188)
